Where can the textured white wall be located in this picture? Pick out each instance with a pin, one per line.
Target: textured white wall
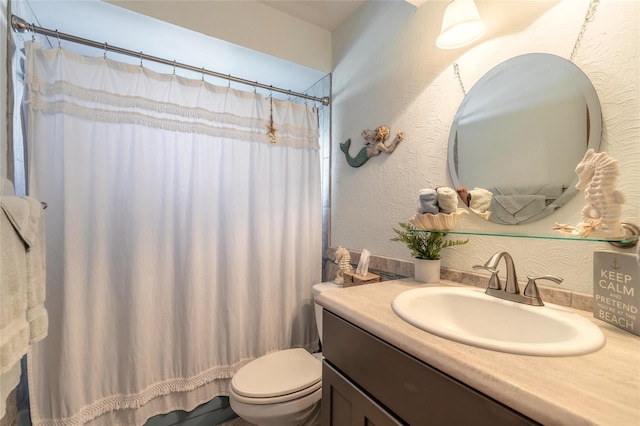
(387, 70)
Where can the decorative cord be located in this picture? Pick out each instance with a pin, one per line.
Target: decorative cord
(456, 72)
(591, 11)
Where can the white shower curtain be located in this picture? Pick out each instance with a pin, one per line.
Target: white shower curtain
(181, 243)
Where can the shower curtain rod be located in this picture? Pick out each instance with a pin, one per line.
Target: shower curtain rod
(20, 25)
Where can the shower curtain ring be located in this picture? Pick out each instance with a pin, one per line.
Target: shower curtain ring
(58, 37)
(229, 82)
(141, 59)
(255, 88)
(203, 74)
(174, 67)
(33, 32)
(105, 50)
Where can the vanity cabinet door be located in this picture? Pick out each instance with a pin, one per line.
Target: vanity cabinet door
(416, 393)
(343, 404)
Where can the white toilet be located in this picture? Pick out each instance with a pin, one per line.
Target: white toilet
(282, 388)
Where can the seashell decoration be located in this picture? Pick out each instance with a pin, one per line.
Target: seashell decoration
(438, 221)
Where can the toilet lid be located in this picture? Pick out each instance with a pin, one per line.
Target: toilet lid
(316, 289)
(278, 373)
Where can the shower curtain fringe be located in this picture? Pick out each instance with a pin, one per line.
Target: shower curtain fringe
(20, 25)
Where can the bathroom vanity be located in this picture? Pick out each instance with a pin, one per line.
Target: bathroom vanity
(412, 390)
(380, 370)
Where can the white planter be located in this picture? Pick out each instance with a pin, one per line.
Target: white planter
(427, 271)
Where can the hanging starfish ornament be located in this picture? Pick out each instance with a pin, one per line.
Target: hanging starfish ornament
(271, 134)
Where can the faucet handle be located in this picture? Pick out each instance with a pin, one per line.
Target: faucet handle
(531, 290)
(494, 281)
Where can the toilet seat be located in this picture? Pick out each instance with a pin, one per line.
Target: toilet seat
(276, 377)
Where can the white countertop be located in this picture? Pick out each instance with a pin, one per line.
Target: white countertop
(601, 388)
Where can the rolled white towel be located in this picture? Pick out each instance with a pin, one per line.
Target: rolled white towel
(479, 202)
(480, 199)
(447, 199)
(428, 199)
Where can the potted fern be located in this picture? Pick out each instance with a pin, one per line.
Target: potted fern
(425, 247)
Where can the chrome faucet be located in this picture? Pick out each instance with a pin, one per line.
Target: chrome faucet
(511, 291)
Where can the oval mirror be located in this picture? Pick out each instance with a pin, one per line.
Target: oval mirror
(520, 133)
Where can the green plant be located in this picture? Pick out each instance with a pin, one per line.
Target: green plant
(424, 244)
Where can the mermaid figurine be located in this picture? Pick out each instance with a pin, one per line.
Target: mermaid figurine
(374, 141)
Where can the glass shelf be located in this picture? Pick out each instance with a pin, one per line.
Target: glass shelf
(557, 236)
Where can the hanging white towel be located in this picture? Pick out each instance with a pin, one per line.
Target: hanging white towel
(36, 275)
(24, 260)
(23, 319)
(6, 187)
(8, 402)
(14, 327)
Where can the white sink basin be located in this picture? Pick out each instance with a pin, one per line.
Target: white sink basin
(467, 315)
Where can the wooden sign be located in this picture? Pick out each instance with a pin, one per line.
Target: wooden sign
(616, 290)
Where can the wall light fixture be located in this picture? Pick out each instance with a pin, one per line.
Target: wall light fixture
(461, 25)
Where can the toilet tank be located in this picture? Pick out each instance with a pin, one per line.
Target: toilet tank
(317, 289)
